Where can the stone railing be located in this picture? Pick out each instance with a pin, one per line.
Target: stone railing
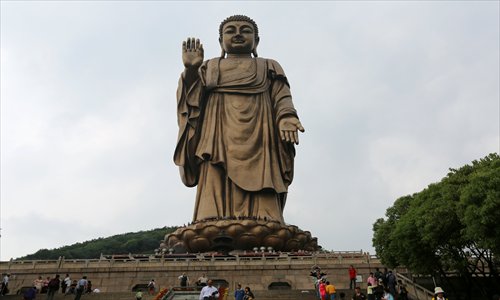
(340, 257)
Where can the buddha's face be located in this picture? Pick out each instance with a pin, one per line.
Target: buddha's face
(238, 37)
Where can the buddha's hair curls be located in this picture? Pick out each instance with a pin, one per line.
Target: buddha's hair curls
(239, 18)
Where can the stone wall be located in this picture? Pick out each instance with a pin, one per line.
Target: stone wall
(257, 270)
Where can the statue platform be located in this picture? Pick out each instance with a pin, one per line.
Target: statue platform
(250, 234)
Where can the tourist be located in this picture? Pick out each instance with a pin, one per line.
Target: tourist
(369, 291)
(138, 295)
(316, 285)
(5, 285)
(45, 285)
(403, 292)
(322, 289)
(239, 293)
(385, 276)
(439, 294)
(65, 283)
(330, 291)
(80, 287)
(202, 280)
(72, 287)
(388, 295)
(209, 292)
(316, 272)
(53, 287)
(38, 283)
(378, 290)
(248, 294)
(378, 275)
(391, 282)
(371, 279)
(184, 280)
(88, 289)
(30, 293)
(352, 277)
(358, 295)
(152, 287)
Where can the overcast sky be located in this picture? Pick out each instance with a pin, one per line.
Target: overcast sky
(391, 94)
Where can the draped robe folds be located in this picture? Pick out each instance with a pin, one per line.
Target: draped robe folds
(229, 144)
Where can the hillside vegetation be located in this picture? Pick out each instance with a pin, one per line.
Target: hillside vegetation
(141, 242)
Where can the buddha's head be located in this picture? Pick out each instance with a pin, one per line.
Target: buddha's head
(239, 34)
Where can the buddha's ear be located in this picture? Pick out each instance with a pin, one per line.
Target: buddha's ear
(223, 52)
(254, 51)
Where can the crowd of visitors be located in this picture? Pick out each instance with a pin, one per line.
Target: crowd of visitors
(384, 286)
(379, 286)
(325, 290)
(51, 286)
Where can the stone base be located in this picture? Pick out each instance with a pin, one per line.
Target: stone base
(227, 235)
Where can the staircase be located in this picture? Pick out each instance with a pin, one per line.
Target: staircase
(259, 295)
(95, 296)
(268, 295)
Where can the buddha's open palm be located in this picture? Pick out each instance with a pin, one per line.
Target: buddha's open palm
(192, 53)
(289, 127)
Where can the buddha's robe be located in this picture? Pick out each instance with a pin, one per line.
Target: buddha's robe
(229, 144)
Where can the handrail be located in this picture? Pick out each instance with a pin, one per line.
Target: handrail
(419, 291)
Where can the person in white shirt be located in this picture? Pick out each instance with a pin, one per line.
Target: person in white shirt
(202, 281)
(66, 284)
(184, 280)
(152, 287)
(5, 284)
(209, 292)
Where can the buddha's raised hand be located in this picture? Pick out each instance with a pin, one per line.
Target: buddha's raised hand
(192, 53)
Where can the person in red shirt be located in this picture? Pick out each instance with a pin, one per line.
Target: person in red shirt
(322, 289)
(352, 277)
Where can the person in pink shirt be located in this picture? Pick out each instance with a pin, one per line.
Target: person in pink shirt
(371, 279)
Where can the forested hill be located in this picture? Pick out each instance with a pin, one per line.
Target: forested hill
(141, 242)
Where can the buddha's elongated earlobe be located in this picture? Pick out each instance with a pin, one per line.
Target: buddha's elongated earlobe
(223, 52)
(254, 50)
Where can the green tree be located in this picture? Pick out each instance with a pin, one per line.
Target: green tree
(449, 227)
(142, 242)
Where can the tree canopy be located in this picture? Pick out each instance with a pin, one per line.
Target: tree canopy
(142, 242)
(449, 227)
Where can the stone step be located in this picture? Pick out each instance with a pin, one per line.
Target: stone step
(94, 296)
(294, 294)
(260, 295)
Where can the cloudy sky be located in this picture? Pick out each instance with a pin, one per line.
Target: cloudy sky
(391, 94)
